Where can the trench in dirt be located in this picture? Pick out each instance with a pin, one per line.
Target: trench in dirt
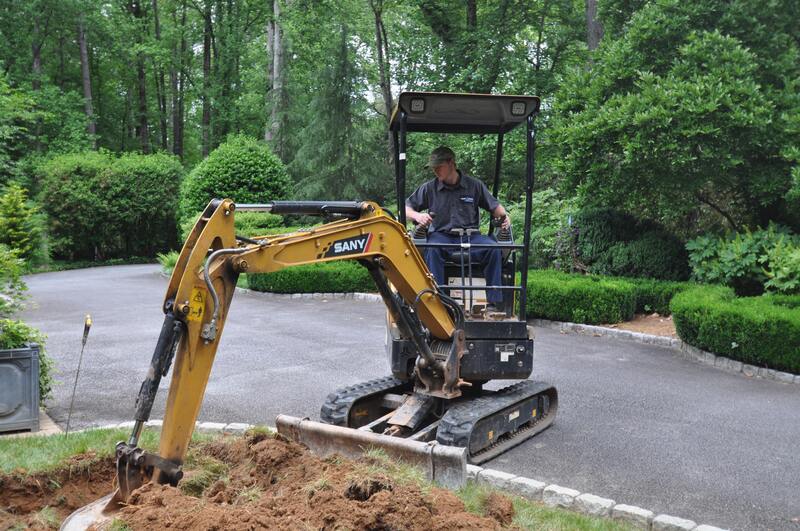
(252, 482)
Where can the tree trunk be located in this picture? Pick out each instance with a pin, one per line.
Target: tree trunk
(382, 45)
(177, 81)
(206, 123)
(87, 82)
(270, 72)
(142, 128)
(472, 15)
(161, 89)
(594, 30)
(277, 74)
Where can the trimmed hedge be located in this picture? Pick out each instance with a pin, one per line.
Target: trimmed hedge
(586, 299)
(328, 277)
(762, 331)
(594, 299)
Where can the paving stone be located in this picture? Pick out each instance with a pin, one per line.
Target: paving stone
(708, 528)
(211, 427)
(237, 428)
(797, 379)
(664, 522)
(763, 372)
(735, 366)
(558, 496)
(633, 515)
(721, 362)
(126, 425)
(708, 358)
(308, 295)
(784, 377)
(297, 295)
(158, 423)
(749, 370)
(473, 471)
(526, 487)
(494, 478)
(594, 505)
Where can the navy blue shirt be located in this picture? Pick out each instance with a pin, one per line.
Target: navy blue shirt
(453, 207)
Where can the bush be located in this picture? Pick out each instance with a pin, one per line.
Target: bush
(242, 169)
(608, 242)
(549, 215)
(18, 227)
(579, 298)
(655, 295)
(329, 277)
(749, 262)
(16, 334)
(245, 224)
(12, 288)
(762, 331)
(100, 207)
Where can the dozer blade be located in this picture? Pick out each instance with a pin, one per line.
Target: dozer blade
(446, 465)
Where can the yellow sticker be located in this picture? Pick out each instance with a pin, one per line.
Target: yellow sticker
(491, 435)
(197, 306)
(534, 413)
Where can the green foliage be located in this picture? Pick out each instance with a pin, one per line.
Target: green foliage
(330, 277)
(18, 227)
(762, 331)
(549, 215)
(246, 224)
(12, 287)
(16, 334)
(580, 299)
(242, 169)
(748, 261)
(16, 116)
(656, 295)
(686, 116)
(168, 261)
(609, 242)
(101, 207)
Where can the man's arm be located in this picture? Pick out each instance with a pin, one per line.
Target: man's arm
(498, 212)
(418, 217)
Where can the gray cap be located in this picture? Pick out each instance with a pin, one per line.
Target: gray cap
(441, 155)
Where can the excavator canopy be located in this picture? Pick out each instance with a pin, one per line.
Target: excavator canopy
(449, 112)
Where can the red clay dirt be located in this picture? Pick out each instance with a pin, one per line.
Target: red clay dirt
(261, 482)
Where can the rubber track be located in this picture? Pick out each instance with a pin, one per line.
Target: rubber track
(337, 405)
(456, 426)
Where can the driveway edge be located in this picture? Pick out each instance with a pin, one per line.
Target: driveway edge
(686, 350)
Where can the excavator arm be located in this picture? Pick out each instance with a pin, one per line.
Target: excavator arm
(202, 286)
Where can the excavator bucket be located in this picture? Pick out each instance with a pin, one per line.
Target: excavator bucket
(446, 465)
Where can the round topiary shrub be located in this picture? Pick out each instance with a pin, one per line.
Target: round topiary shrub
(654, 254)
(242, 169)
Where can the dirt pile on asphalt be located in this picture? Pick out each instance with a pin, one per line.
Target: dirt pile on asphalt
(42, 501)
(262, 482)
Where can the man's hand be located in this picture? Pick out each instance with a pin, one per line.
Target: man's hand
(423, 219)
(506, 222)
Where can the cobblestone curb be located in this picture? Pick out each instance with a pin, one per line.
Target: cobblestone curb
(686, 350)
(372, 297)
(551, 495)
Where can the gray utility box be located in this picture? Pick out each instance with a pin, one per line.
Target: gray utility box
(19, 389)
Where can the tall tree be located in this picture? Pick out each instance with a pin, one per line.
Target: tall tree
(161, 90)
(276, 77)
(594, 30)
(207, 36)
(142, 128)
(384, 67)
(87, 80)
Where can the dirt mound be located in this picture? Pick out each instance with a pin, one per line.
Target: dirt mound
(42, 501)
(255, 482)
(277, 484)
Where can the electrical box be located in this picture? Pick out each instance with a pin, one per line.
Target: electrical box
(19, 389)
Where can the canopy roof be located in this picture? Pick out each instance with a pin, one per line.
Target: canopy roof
(447, 112)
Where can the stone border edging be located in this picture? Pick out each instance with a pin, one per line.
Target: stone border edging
(550, 495)
(686, 350)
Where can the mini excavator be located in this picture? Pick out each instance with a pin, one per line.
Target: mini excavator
(443, 347)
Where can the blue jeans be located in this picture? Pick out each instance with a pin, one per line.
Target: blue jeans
(491, 259)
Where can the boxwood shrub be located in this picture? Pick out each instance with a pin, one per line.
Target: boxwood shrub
(762, 331)
(586, 299)
(328, 277)
(655, 295)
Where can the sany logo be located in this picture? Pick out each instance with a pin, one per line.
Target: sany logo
(354, 245)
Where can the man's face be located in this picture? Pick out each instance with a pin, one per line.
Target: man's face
(442, 171)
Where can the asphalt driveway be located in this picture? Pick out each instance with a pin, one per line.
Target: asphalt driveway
(636, 423)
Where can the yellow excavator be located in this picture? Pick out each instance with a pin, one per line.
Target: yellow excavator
(432, 410)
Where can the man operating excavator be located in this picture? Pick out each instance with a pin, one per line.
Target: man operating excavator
(452, 200)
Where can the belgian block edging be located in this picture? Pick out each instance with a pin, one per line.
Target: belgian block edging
(686, 350)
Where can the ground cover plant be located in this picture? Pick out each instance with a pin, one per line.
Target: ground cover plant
(256, 481)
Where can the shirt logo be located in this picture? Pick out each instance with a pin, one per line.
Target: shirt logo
(467, 199)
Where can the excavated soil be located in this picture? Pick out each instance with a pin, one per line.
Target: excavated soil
(82, 480)
(654, 324)
(260, 482)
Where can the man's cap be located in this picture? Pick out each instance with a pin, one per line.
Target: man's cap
(441, 155)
